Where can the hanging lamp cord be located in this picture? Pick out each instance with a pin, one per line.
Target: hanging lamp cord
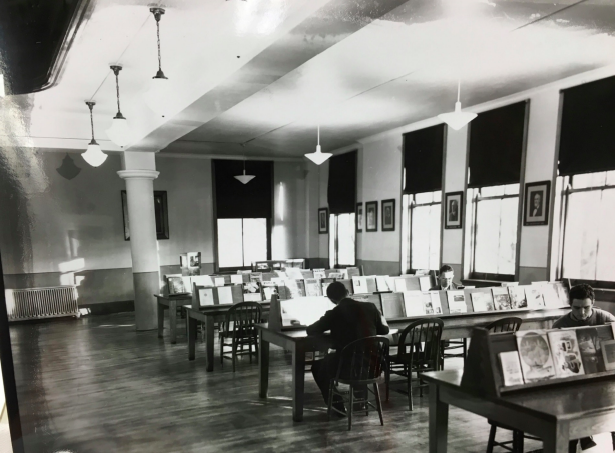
(117, 90)
(91, 106)
(157, 16)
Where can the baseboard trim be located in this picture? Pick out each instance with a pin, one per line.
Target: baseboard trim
(107, 308)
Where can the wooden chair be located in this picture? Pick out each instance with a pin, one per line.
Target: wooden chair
(238, 328)
(361, 363)
(410, 357)
(510, 324)
(454, 345)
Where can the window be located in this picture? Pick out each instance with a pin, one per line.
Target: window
(423, 231)
(241, 241)
(588, 244)
(341, 240)
(495, 214)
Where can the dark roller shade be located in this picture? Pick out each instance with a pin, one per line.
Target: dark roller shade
(496, 146)
(587, 137)
(423, 154)
(235, 200)
(342, 188)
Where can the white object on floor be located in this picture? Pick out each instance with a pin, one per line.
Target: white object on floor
(604, 444)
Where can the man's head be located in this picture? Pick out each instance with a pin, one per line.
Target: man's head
(336, 291)
(537, 199)
(446, 276)
(582, 299)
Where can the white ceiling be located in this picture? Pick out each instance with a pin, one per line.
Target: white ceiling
(355, 68)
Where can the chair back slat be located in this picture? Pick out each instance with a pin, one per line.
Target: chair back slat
(363, 359)
(425, 330)
(510, 324)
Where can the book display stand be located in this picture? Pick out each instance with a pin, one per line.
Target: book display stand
(483, 374)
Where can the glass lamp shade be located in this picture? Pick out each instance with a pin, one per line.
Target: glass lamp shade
(318, 157)
(94, 155)
(457, 119)
(160, 97)
(244, 179)
(119, 132)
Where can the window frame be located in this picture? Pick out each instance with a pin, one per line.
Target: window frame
(217, 267)
(334, 237)
(412, 204)
(473, 200)
(566, 191)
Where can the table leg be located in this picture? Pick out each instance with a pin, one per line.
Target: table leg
(191, 337)
(209, 342)
(263, 365)
(173, 320)
(160, 319)
(438, 421)
(298, 381)
(558, 439)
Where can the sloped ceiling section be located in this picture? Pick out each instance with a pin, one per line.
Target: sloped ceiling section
(35, 36)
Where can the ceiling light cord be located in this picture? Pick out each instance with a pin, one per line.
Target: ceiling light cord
(116, 70)
(459, 90)
(91, 105)
(318, 135)
(158, 12)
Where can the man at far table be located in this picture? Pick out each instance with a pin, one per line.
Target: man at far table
(445, 280)
(350, 320)
(583, 313)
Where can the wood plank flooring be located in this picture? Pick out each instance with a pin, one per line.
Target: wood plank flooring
(95, 385)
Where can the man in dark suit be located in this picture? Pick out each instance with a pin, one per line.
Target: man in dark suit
(350, 320)
(445, 280)
(537, 208)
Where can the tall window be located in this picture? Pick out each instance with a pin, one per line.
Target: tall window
(243, 213)
(241, 241)
(588, 245)
(497, 140)
(495, 212)
(342, 240)
(422, 200)
(424, 214)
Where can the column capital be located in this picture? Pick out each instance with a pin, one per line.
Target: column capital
(138, 174)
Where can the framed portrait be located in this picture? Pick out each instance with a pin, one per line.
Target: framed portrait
(323, 221)
(371, 216)
(359, 217)
(536, 208)
(161, 215)
(388, 215)
(454, 210)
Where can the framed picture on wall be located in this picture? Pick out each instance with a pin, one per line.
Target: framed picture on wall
(537, 196)
(161, 215)
(388, 215)
(454, 210)
(359, 217)
(371, 216)
(323, 221)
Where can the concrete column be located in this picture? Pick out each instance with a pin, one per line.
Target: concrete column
(139, 173)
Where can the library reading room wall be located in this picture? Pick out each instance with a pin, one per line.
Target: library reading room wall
(64, 232)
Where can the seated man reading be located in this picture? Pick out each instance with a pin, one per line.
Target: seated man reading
(445, 280)
(350, 320)
(583, 313)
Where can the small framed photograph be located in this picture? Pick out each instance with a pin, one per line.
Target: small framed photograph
(371, 216)
(537, 196)
(359, 217)
(454, 210)
(323, 221)
(388, 215)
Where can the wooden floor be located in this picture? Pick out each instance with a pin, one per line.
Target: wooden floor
(95, 385)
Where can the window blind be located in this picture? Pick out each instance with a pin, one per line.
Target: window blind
(235, 200)
(342, 187)
(496, 146)
(423, 155)
(587, 132)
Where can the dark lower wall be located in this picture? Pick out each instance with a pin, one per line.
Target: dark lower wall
(379, 267)
(94, 286)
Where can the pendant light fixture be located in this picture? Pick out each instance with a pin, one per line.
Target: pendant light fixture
(457, 119)
(244, 179)
(93, 155)
(119, 133)
(157, 96)
(318, 157)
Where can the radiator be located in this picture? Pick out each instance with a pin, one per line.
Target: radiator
(39, 303)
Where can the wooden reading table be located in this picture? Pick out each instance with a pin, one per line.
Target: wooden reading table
(208, 315)
(171, 303)
(556, 414)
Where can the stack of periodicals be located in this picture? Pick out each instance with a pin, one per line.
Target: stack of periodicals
(558, 353)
